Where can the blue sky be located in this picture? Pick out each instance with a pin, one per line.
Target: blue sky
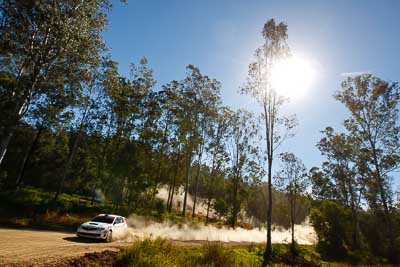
(220, 37)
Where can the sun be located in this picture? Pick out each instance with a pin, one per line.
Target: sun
(292, 77)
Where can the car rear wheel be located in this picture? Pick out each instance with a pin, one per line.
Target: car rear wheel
(109, 237)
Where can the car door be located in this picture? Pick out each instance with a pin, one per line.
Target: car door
(117, 223)
(123, 222)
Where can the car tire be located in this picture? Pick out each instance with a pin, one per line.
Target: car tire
(109, 237)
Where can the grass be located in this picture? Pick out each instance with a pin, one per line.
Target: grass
(160, 252)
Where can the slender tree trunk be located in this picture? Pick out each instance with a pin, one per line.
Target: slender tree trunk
(212, 179)
(208, 209)
(158, 172)
(174, 181)
(21, 107)
(188, 163)
(5, 141)
(171, 201)
(169, 194)
(72, 154)
(292, 236)
(200, 154)
(292, 220)
(353, 206)
(355, 228)
(68, 166)
(269, 134)
(210, 191)
(210, 194)
(196, 186)
(103, 154)
(27, 157)
(269, 211)
(153, 197)
(235, 201)
(384, 200)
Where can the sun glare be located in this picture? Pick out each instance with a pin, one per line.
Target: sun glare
(292, 77)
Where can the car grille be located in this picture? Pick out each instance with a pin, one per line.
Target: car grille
(88, 234)
(88, 228)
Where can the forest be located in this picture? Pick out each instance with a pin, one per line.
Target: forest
(71, 123)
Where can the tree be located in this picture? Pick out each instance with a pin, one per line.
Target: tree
(129, 104)
(87, 106)
(169, 123)
(277, 126)
(46, 113)
(345, 168)
(374, 108)
(218, 134)
(331, 222)
(198, 102)
(242, 131)
(45, 46)
(293, 181)
(190, 105)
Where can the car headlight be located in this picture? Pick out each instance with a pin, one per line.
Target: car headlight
(101, 229)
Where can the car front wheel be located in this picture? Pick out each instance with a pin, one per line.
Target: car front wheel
(109, 237)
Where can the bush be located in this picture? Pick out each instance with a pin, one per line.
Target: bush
(148, 253)
(332, 224)
(160, 252)
(216, 255)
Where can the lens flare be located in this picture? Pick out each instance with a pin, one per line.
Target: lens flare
(292, 77)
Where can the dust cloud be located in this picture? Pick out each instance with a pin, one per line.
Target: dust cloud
(177, 201)
(140, 228)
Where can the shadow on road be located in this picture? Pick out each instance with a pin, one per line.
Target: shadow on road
(81, 240)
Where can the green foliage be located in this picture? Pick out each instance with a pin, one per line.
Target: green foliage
(160, 207)
(221, 207)
(332, 224)
(147, 253)
(39, 209)
(358, 169)
(212, 254)
(160, 252)
(216, 255)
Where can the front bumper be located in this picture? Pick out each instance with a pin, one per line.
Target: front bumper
(92, 234)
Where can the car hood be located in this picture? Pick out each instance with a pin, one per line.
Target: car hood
(96, 224)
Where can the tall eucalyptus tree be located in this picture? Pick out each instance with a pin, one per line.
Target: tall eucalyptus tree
(277, 126)
(242, 132)
(45, 48)
(374, 113)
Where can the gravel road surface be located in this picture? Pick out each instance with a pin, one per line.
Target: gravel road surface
(22, 247)
(46, 248)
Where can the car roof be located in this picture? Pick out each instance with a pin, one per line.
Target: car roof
(110, 215)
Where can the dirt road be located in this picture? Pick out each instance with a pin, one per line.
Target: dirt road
(44, 248)
(48, 248)
(22, 247)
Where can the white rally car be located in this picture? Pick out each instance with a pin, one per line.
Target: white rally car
(102, 227)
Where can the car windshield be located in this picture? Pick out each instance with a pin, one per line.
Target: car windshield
(103, 219)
